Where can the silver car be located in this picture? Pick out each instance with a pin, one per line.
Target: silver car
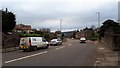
(55, 42)
(82, 40)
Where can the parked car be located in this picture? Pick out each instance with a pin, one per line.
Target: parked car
(82, 40)
(32, 43)
(55, 42)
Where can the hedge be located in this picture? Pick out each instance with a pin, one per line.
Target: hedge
(30, 35)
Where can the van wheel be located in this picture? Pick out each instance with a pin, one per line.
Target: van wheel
(35, 48)
(57, 44)
(24, 50)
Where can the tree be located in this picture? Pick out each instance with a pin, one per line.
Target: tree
(77, 30)
(8, 21)
(47, 36)
(74, 34)
(93, 27)
(38, 32)
(85, 29)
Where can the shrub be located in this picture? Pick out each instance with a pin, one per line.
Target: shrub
(30, 35)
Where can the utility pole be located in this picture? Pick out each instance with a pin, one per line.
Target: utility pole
(61, 25)
(59, 35)
(98, 14)
(119, 12)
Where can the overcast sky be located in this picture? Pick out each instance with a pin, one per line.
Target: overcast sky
(75, 14)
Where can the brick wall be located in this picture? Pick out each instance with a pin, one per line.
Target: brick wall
(111, 39)
(10, 40)
(107, 40)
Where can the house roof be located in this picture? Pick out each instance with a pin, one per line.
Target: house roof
(23, 27)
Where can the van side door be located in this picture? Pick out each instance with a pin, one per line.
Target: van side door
(39, 42)
(34, 42)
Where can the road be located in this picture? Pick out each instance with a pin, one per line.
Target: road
(71, 53)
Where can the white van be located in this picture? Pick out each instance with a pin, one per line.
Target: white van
(32, 43)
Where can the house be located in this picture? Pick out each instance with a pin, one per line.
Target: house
(86, 33)
(69, 34)
(23, 28)
(53, 35)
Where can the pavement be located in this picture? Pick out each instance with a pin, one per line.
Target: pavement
(10, 49)
(105, 56)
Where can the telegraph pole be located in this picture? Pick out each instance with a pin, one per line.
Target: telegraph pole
(59, 35)
(98, 14)
(61, 25)
(119, 12)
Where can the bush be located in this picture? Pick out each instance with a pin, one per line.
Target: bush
(30, 35)
(93, 37)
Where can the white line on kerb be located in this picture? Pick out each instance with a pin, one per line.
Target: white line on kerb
(25, 57)
(101, 48)
(60, 47)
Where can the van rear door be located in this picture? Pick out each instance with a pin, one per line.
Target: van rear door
(24, 43)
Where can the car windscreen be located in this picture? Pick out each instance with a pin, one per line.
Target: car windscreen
(82, 39)
(54, 40)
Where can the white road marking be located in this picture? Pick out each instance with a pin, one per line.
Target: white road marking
(69, 44)
(101, 48)
(26, 57)
(100, 59)
(60, 47)
(96, 63)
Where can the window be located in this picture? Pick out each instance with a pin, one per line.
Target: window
(33, 39)
(43, 40)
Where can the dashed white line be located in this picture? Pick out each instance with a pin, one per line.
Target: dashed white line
(60, 47)
(26, 57)
(57, 48)
(101, 48)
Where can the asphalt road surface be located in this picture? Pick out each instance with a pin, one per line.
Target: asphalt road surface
(71, 53)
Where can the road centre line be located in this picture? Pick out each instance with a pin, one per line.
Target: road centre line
(26, 57)
(60, 47)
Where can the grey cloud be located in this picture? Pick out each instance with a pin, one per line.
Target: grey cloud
(77, 17)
